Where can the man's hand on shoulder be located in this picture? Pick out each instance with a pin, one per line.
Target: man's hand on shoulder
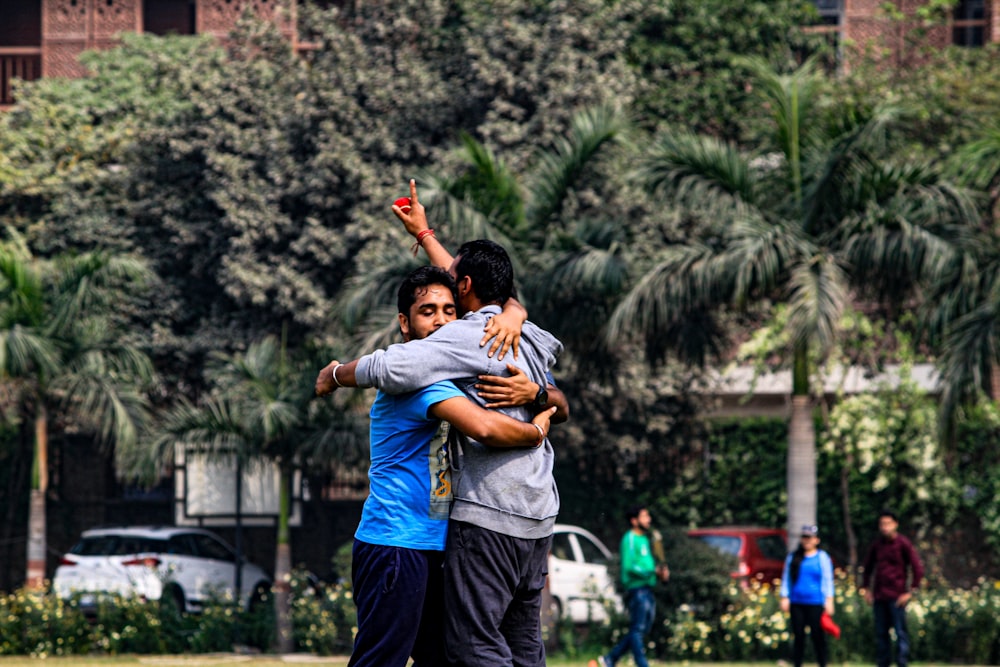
(504, 329)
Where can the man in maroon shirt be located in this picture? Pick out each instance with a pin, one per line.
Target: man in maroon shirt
(892, 571)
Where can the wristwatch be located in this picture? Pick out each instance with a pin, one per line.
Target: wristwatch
(541, 398)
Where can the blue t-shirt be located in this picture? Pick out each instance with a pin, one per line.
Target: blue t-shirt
(410, 487)
(815, 581)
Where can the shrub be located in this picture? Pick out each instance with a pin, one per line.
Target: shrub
(323, 621)
(41, 625)
(946, 625)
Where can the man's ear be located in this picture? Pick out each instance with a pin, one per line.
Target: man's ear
(464, 285)
(404, 325)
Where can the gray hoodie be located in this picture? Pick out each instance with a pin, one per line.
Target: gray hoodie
(509, 491)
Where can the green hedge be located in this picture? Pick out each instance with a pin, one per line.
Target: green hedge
(42, 625)
(946, 625)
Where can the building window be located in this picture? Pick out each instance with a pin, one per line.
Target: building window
(169, 17)
(829, 11)
(20, 44)
(969, 23)
(828, 24)
(21, 24)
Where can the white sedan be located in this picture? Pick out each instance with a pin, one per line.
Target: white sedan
(188, 565)
(579, 583)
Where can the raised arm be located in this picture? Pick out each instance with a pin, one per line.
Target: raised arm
(505, 329)
(490, 427)
(415, 221)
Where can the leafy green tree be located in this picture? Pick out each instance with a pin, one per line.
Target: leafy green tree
(886, 442)
(948, 98)
(963, 302)
(686, 51)
(262, 409)
(64, 351)
(822, 218)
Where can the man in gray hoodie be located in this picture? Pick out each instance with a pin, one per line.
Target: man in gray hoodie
(505, 500)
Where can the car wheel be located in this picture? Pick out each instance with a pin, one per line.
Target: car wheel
(174, 595)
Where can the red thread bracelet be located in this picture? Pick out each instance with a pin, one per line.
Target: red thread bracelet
(424, 234)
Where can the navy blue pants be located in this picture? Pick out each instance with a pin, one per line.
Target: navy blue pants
(888, 615)
(493, 593)
(398, 593)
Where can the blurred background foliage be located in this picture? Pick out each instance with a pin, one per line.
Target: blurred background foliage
(255, 184)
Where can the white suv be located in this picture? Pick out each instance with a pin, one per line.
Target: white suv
(188, 564)
(578, 576)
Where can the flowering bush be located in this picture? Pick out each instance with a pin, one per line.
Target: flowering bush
(41, 626)
(947, 625)
(323, 621)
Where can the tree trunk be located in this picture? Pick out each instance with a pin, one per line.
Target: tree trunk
(845, 494)
(801, 468)
(37, 546)
(283, 570)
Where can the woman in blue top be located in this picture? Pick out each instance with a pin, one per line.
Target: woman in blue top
(806, 592)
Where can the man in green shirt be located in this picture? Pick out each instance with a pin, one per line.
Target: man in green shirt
(640, 572)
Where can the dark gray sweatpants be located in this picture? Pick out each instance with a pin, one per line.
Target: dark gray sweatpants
(493, 597)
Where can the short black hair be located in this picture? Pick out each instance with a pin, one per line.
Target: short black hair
(490, 268)
(633, 512)
(422, 277)
(885, 511)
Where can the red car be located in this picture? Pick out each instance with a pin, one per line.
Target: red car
(760, 552)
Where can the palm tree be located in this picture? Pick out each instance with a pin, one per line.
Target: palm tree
(965, 294)
(63, 350)
(822, 218)
(526, 214)
(262, 409)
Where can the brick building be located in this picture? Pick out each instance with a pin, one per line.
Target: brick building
(865, 26)
(44, 37)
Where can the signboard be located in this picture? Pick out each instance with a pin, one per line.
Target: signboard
(205, 491)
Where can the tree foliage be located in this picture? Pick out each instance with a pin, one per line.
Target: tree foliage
(687, 54)
(256, 184)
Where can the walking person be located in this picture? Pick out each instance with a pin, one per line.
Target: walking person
(892, 571)
(806, 593)
(640, 572)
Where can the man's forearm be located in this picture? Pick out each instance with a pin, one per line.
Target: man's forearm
(407, 367)
(494, 429)
(489, 427)
(336, 375)
(437, 254)
(557, 399)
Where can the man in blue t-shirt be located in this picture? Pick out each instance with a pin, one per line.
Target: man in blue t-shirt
(399, 544)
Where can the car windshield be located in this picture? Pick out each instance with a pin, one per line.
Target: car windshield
(772, 547)
(727, 544)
